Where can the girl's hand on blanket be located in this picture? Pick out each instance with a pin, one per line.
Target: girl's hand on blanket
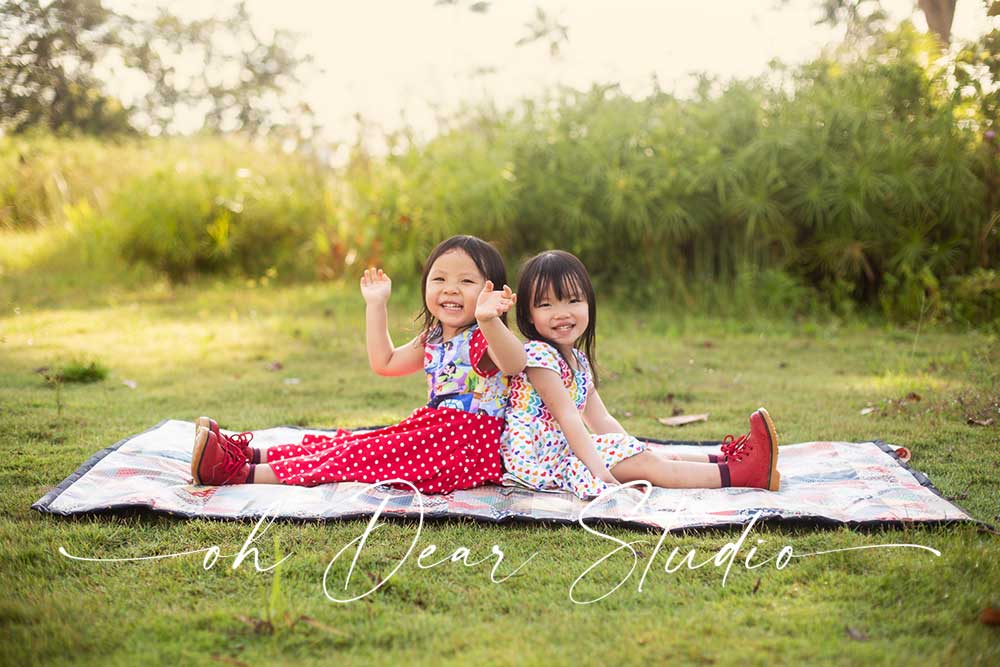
(492, 304)
(635, 494)
(375, 287)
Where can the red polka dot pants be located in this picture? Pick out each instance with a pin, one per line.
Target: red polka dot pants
(439, 450)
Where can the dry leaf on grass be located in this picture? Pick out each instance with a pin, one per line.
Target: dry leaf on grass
(258, 625)
(990, 616)
(313, 623)
(856, 635)
(681, 420)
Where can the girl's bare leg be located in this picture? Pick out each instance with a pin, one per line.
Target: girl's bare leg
(262, 474)
(668, 474)
(682, 456)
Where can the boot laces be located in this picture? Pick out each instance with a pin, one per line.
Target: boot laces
(734, 448)
(241, 439)
(233, 459)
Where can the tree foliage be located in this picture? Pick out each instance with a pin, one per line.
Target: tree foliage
(48, 55)
(865, 17)
(58, 60)
(543, 27)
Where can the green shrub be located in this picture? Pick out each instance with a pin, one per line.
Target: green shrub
(974, 298)
(180, 206)
(41, 175)
(199, 217)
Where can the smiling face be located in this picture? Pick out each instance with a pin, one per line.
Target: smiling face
(452, 289)
(557, 304)
(561, 320)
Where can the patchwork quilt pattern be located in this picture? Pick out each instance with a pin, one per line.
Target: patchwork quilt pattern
(849, 483)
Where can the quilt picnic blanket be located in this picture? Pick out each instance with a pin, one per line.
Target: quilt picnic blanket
(850, 483)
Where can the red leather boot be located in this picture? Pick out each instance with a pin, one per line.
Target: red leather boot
(751, 460)
(215, 462)
(239, 440)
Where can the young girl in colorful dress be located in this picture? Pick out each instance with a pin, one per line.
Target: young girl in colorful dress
(453, 442)
(546, 443)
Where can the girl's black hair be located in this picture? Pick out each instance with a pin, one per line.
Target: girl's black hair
(565, 275)
(486, 258)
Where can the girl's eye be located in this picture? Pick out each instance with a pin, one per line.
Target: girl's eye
(467, 281)
(437, 280)
(543, 305)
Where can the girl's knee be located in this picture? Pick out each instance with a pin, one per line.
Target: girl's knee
(632, 467)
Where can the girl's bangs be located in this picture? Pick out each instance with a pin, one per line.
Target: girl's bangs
(562, 278)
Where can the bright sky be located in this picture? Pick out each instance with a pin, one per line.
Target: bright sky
(391, 60)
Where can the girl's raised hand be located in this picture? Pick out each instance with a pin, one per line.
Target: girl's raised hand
(492, 304)
(375, 287)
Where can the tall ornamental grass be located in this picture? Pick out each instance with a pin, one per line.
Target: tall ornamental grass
(844, 184)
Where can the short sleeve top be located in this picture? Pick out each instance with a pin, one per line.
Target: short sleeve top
(455, 379)
(525, 402)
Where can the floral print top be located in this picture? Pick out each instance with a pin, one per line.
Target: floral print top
(455, 379)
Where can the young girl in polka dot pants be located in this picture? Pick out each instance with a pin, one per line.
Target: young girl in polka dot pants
(453, 442)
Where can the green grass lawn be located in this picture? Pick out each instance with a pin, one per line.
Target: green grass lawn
(210, 350)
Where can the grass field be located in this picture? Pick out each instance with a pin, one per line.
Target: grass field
(211, 350)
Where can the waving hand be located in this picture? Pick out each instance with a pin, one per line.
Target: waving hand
(492, 304)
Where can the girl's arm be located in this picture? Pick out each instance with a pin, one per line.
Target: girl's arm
(550, 387)
(505, 350)
(382, 356)
(597, 417)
